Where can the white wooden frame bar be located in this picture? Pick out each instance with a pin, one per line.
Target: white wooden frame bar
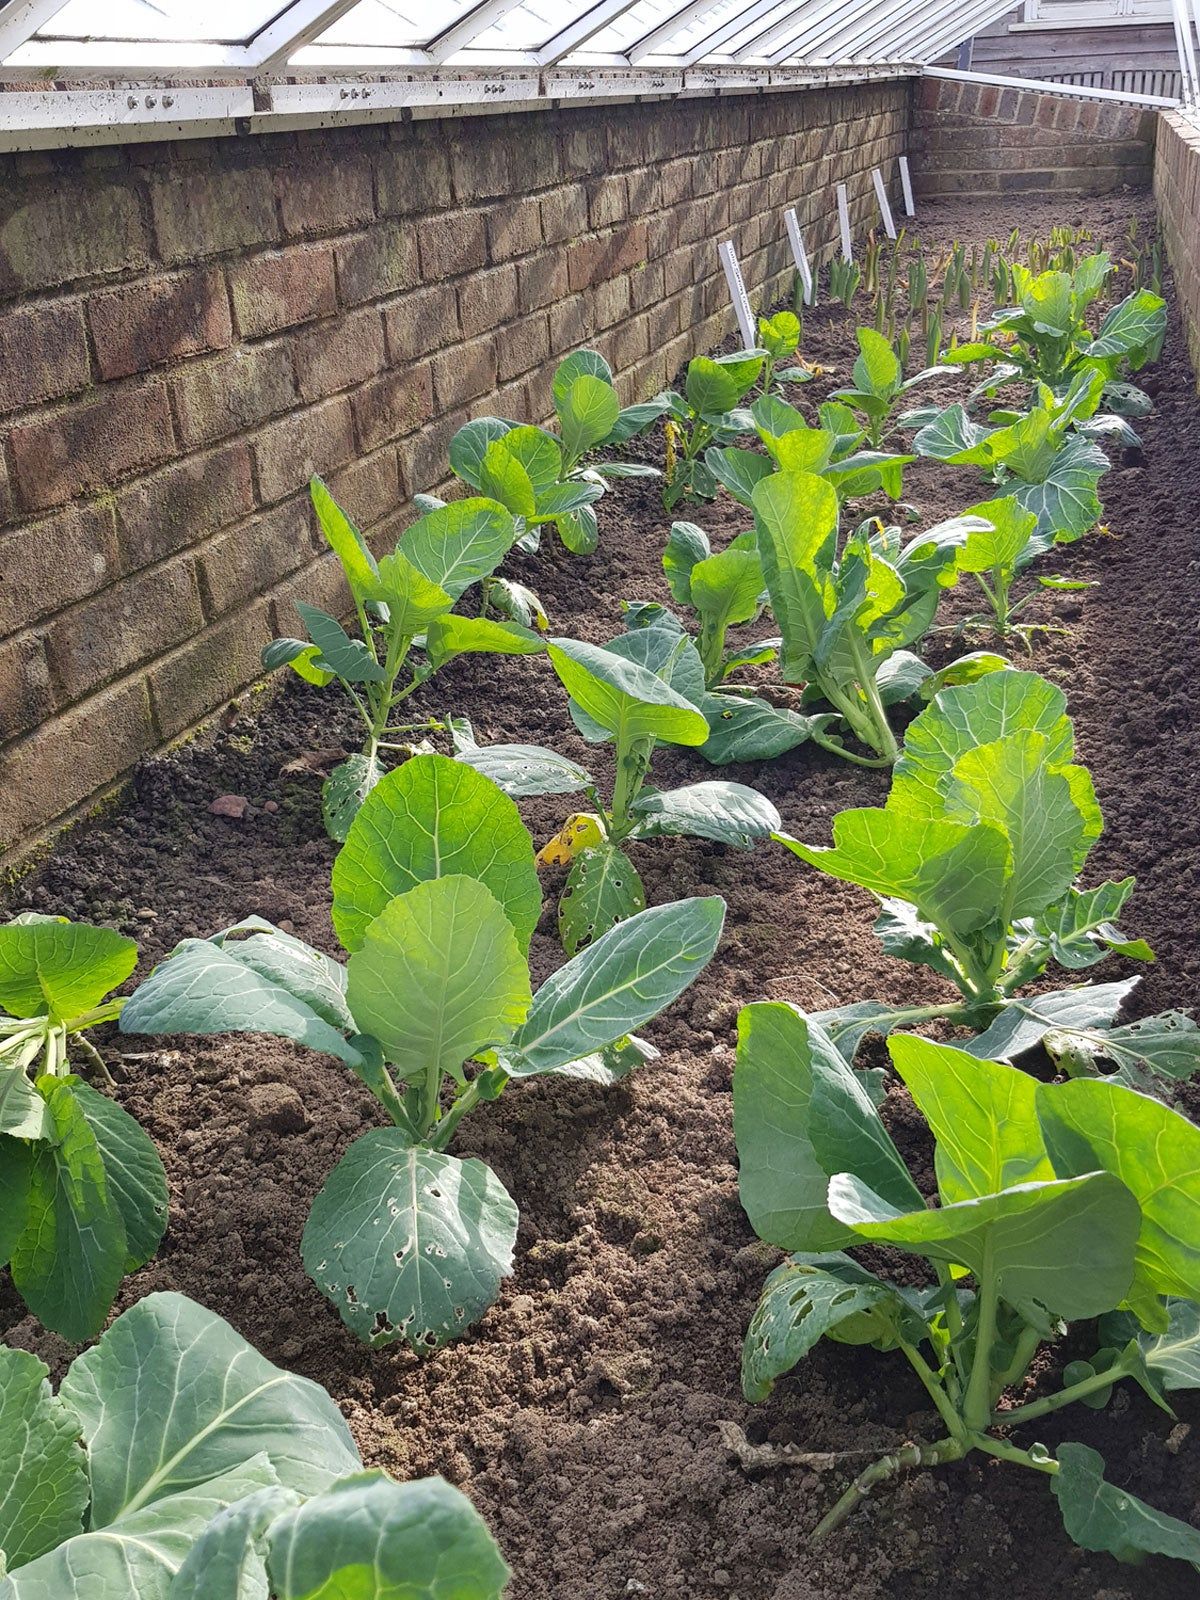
(649, 43)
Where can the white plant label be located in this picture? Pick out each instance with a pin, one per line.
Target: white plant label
(885, 210)
(843, 203)
(910, 210)
(800, 255)
(737, 293)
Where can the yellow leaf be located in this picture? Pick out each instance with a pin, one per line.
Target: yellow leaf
(579, 832)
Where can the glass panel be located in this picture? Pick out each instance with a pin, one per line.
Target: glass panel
(624, 32)
(531, 25)
(396, 24)
(220, 21)
(746, 36)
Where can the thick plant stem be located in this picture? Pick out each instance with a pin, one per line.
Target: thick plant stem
(1065, 1397)
(907, 1459)
(977, 1406)
(633, 762)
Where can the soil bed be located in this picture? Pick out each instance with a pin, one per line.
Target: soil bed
(581, 1414)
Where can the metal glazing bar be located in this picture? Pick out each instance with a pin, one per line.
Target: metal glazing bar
(299, 25)
(659, 39)
(761, 42)
(22, 19)
(577, 33)
(729, 29)
(459, 34)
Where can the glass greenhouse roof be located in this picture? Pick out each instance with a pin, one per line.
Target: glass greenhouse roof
(257, 37)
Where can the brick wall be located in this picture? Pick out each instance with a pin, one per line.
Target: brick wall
(1177, 193)
(979, 139)
(187, 331)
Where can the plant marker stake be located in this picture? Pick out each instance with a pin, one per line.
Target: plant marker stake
(737, 293)
(885, 210)
(910, 210)
(844, 223)
(800, 255)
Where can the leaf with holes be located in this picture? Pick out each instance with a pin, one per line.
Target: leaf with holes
(409, 1243)
(602, 889)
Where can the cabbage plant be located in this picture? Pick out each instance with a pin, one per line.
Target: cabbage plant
(832, 451)
(725, 589)
(176, 1463)
(402, 601)
(543, 479)
(1005, 541)
(1058, 1203)
(710, 411)
(435, 899)
(976, 858)
(880, 385)
(83, 1195)
(779, 338)
(643, 688)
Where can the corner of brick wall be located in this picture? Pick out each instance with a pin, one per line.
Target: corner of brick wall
(188, 331)
(1177, 195)
(981, 139)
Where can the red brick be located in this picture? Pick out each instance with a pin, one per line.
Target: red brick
(143, 324)
(393, 405)
(378, 263)
(234, 392)
(564, 212)
(26, 697)
(129, 622)
(542, 280)
(191, 683)
(320, 583)
(182, 504)
(245, 560)
(43, 354)
(291, 450)
(51, 235)
(412, 177)
(451, 245)
(463, 373)
(200, 214)
(339, 353)
(487, 300)
(323, 196)
(420, 322)
(65, 762)
(368, 490)
(282, 288)
(515, 228)
(606, 255)
(88, 447)
(523, 347)
(485, 167)
(54, 562)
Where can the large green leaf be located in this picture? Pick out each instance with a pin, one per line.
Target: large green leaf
(796, 515)
(726, 588)
(138, 1555)
(1099, 1516)
(266, 982)
(1064, 1247)
(602, 889)
(438, 976)
(451, 635)
(370, 1538)
(203, 1403)
(799, 1116)
(1172, 1355)
(726, 813)
(60, 969)
(1001, 545)
(470, 444)
(459, 543)
(344, 539)
(526, 769)
(1134, 329)
(539, 453)
(627, 700)
(16, 1171)
(618, 983)
(687, 546)
(133, 1170)
(1065, 500)
(1154, 1151)
(71, 1255)
(953, 873)
(713, 389)
(982, 1114)
(745, 728)
(43, 1474)
(431, 817)
(414, 601)
(813, 1297)
(347, 658)
(407, 1242)
(344, 791)
(588, 409)
(1025, 1021)
(229, 1559)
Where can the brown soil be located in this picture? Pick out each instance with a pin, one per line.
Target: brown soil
(580, 1414)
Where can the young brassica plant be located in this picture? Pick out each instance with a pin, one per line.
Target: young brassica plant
(1049, 1214)
(83, 1195)
(435, 899)
(779, 337)
(1043, 458)
(176, 1463)
(975, 858)
(642, 689)
(1045, 337)
(879, 384)
(725, 588)
(846, 616)
(831, 450)
(404, 598)
(1005, 541)
(708, 412)
(543, 479)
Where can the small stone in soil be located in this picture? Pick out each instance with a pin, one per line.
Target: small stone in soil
(235, 806)
(276, 1107)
